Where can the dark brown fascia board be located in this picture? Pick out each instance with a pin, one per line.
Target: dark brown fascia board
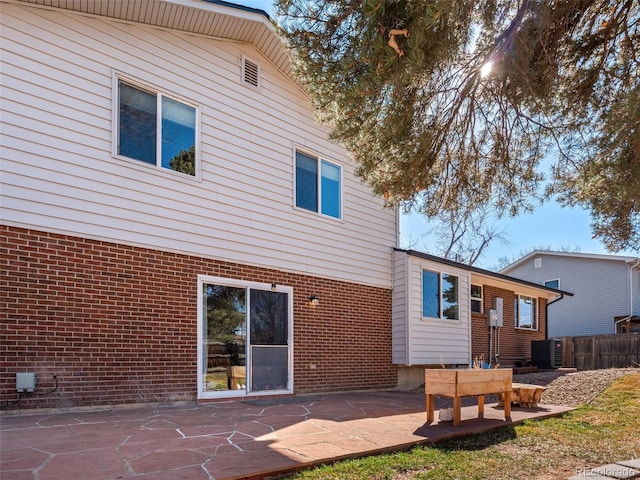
(481, 271)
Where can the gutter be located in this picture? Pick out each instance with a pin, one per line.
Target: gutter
(546, 315)
(630, 316)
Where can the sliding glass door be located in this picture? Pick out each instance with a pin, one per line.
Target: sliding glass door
(244, 338)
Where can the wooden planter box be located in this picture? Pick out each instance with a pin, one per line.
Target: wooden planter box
(458, 383)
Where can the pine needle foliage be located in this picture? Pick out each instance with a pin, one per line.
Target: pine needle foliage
(401, 85)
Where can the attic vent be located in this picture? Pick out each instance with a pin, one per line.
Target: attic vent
(250, 73)
(537, 263)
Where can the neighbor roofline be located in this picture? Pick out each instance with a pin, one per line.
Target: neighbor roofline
(592, 256)
(482, 271)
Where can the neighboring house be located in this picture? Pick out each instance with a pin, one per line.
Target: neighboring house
(175, 225)
(606, 290)
(448, 314)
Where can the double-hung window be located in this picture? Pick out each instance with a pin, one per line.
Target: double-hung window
(526, 312)
(156, 129)
(440, 295)
(318, 185)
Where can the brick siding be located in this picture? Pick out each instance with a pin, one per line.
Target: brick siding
(515, 344)
(118, 324)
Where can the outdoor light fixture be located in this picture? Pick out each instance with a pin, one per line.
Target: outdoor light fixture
(273, 286)
(314, 301)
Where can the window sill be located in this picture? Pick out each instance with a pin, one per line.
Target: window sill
(441, 320)
(156, 170)
(318, 215)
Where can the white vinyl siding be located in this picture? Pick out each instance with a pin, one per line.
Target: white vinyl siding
(635, 289)
(400, 325)
(59, 173)
(434, 341)
(600, 288)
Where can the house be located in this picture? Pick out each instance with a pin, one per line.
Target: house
(606, 290)
(175, 225)
(448, 314)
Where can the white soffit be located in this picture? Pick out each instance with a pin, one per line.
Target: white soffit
(213, 19)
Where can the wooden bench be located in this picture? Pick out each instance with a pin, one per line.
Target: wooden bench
(524, 394)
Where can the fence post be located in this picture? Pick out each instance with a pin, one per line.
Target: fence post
(568, 356)
(594, 354)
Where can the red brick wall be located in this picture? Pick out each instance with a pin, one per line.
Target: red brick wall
(118, 324)
(515, 344)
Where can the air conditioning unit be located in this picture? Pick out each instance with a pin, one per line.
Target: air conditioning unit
(546, 353)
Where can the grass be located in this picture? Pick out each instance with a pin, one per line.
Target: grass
(604, 431)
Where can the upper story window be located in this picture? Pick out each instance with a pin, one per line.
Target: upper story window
(440, 295)
(318, 185)
(156, 129)
(526, 312)
(476, 298)
(555, 283)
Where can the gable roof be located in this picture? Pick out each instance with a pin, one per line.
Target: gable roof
(212, 18)
(591, 256)
(488, 274)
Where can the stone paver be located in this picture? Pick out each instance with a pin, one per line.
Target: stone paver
(228, 440)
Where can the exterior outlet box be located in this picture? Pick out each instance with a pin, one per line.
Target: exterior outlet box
(25, 382)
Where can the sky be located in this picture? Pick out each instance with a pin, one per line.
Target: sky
(264, 5)
(549, 226)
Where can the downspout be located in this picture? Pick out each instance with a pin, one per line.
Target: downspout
(546, 315)
(630, 316)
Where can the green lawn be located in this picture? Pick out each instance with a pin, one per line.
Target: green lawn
(602, 432)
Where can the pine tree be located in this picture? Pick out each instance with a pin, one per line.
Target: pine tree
(453, 104)
(185, 161)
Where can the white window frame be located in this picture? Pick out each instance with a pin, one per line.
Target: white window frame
(516, 319)
(476, 299)
(319, 160)
(248, 285)
(160, 93)
(440, 294)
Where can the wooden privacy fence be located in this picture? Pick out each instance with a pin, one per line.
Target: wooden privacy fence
(601, 351)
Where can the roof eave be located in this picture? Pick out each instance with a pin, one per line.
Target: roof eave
(592, 256)
(213, 18)
(499, 277)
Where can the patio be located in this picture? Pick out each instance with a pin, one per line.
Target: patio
(229, 440)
